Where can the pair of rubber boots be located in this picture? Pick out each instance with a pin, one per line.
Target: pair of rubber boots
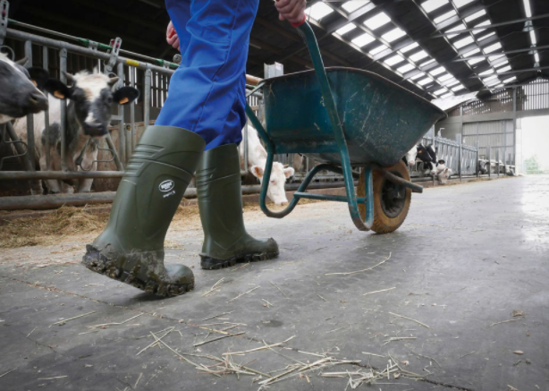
(131, 248)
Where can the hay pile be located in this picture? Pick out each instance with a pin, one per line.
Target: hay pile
(52, 227)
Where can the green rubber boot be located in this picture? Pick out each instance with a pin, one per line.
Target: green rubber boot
(131, 248)
(226, 241)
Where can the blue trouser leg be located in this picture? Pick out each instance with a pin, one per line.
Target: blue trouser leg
(207, 91)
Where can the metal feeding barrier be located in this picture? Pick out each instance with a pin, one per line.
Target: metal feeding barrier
(59, 53)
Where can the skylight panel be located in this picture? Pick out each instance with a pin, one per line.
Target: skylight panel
(405, 68)
(504, 69)
(409, 47)
(493, 77)
(471, 52)
(353, 5)
(476, 15)
(457, 28)
(444, 78)
(491, 48)
(437, 71)
(393, 35)
(536, 57)
(319, 10)
(486, 36)
(475, 61)
(415, 77)
(378, 49)
(463, 42)
(425, 81)
(510, 79)
(418, 56)
(440, 92)
(461, 3)
(485, 23)
(452, 83)
(431, 5)
(345, 29)
(491, 82)
(447, 95)
(363, 40)
(527, 9)
(495, 57)
(533, 37)
(485, 73)
(394, 60)
(427, 62)
(501, 63)
(377, 21)
(458, 87)
(445, 16)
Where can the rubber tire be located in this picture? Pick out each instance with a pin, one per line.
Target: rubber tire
(382, 223)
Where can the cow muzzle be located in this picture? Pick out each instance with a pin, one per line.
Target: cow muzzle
(95, 129)
(34, 103)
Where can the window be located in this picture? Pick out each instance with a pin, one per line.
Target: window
(418, 56)
(394, 60)
(377, 21)
(492, 82)
(470, 53)
(453, 83)
(458, 87)
(485, 73)
(527, 9)
(345, 29)
(353, 5)
(319, 10)
(393, 35)
(510, 79)
(378, 49)
(431, 5)
(363, 40)
(441, 91)
(463, 42)
(536, 57)
(427, 62)
(475, 61)
(486, 36)
(533, 37)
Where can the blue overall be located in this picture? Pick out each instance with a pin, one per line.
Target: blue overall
(207, 93)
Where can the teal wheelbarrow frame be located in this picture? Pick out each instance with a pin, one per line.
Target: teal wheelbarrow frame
(331, 144)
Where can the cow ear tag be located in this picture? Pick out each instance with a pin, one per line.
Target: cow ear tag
(124, 100)
(58, 95)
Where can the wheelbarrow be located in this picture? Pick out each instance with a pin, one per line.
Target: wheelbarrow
(345, 118)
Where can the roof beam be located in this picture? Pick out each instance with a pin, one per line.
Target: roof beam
(530, 49)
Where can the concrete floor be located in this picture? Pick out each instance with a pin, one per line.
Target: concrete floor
(464, 260)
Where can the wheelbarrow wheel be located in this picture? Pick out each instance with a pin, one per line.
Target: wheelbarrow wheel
(391, 201)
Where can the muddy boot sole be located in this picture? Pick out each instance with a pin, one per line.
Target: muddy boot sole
(209, 263)
(98, 263)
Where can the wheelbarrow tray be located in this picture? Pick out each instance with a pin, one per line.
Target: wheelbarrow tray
(381, 120)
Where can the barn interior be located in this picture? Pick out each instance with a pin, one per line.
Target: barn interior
(454, 299)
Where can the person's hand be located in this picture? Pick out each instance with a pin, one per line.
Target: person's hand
(171, 36)
(291, 10)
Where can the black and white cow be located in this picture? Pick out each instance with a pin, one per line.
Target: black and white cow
(20, 89)
(89, 112)
(442, 172)
(427, 155)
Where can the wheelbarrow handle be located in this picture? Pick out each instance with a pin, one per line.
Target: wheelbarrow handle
(308, 35)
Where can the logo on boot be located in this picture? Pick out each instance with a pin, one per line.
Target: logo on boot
(166, 186)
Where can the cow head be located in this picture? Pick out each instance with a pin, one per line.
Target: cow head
(279, 174)
(92, 98)
(20, 89)
(411, 156)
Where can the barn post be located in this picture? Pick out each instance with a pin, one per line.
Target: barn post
(460, 154)
(121, 130)
(147, 98)
(476, 161)
(63, 113)
(489, 156)
(132, 114)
